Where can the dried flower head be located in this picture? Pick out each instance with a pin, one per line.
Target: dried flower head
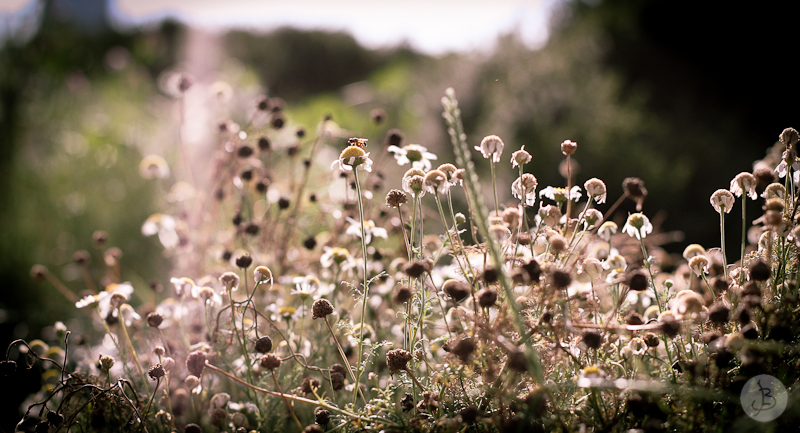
(524, 188)
(436, 182)
(156, 372)
(636, 280)
(244, 261)
(687, 303)
(744, 183)
(592, 339)
(230, 281)
(270, 361)
(568, 147)
(487, 297)
(722, 200)
(789, 137)
(491, 147)
(309, 384)
(321, 308)
(456, 289)
(396, 198)
(263, 344)
(154, 319)
(196, 362)
(106, 362)
(634, 188)
(699, 264)
(394, 137)
(692, 250)
(463, 349)
(520, 157)
(397, 359)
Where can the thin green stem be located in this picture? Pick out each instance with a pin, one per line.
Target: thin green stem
(744, 237)
(494, 190)
(130, 345)
(365, 288)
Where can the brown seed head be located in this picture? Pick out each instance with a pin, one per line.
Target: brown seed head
(270, 361)
(486, 297)
(651, 339)
(403, 294)
(321, 308)
(456, 289)
(309, 384)
(156, 372)
(463, 349)
(196, 362)
(397, 359)
(154, 320)
(592, 339)
(264, 344)
(396, 198)
(636, 280)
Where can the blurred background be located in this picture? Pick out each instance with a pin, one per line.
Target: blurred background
(684, 97)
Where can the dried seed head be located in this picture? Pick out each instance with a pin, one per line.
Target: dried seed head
(517, 361)
(651, 339)
(196, 362)
(568, 147)
(81, 257)
(309, 385)
(313, 428)
(397, 359)
(396, 198)
(230, 280)
(156, 372)
(669, 326)
(456, 289)
(338, 368)
(759, 271)
(463, 349)
(337, 381)
(789, 137)
(394, 137)
(719, 313)
(633, 318)
(416, 268)
(244, 151)
(192, 428)
(592, 339)
(636, 280)
(39, 272)
(322, 417)
(558, 243)
(486, 297)
(436, 182)
(244, 261)
(310, 243)
(403, 295)
(154, 320)
(561, 279)
(270, 361)
(378, 116)
(159, 351)
(106, 362)
(635, 189)
(264, 344)
(321, 308)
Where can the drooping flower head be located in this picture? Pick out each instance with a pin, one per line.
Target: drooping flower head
(524, 188)
(520, 157)
(413, 182)
(417, 155)
(596, 189)
(450, 171)
(607, 229)
(744, 183)
(491, 147)
(436, 182)
(638, 226)
(722, 200)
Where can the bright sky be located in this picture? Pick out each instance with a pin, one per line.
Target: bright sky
(430, 26)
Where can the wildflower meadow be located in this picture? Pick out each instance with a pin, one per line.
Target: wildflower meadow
(343, 279)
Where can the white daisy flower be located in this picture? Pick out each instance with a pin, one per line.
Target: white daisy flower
(491, 147)
(417, 155)
(561, 194)
(370, 230)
